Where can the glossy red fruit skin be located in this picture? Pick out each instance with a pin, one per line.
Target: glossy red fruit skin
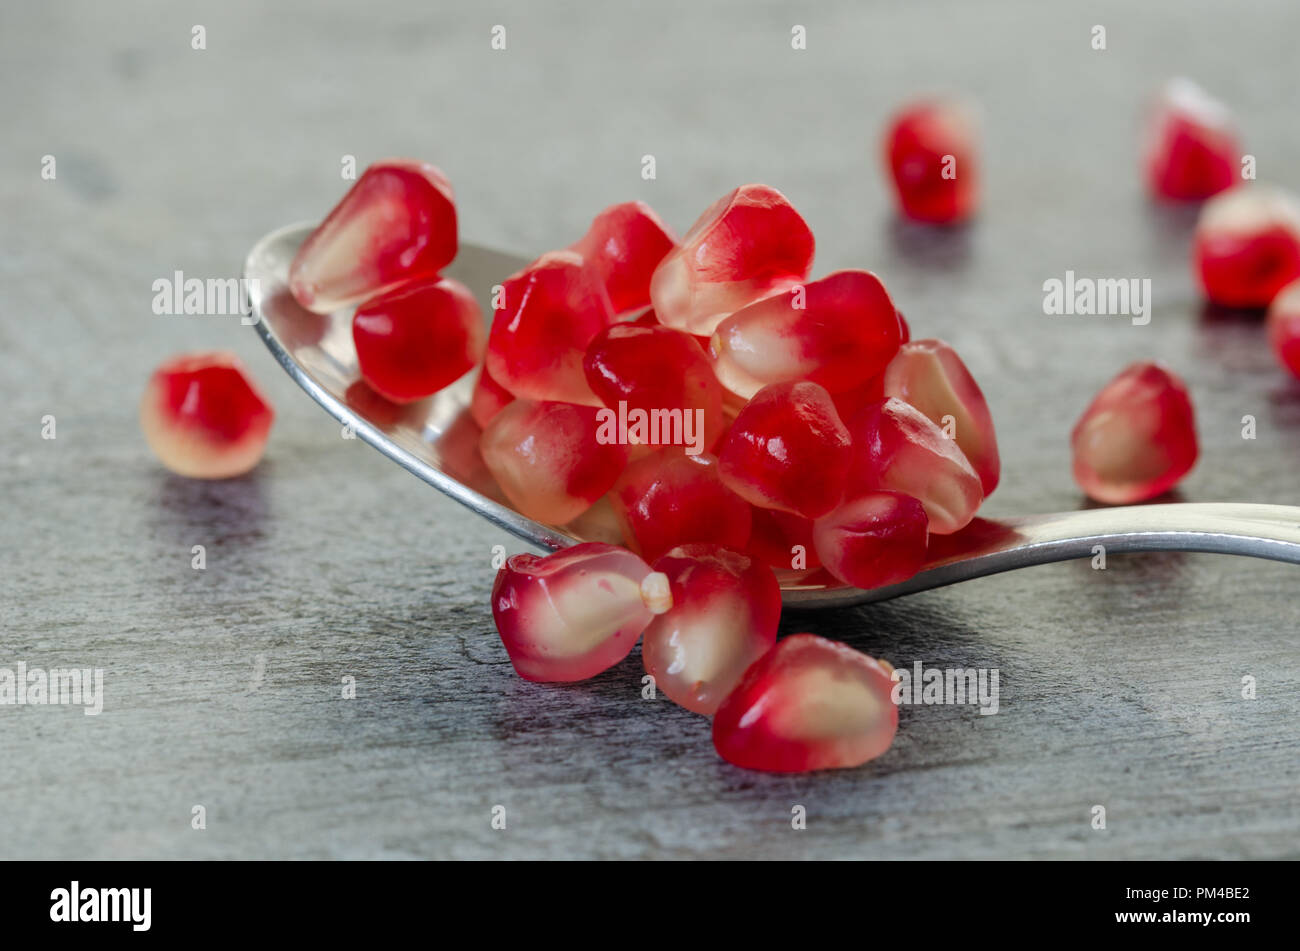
(549, 313)
(547, 459)
(774, 537)
(488, 398)
(746, 245)
(1137, 439)
(1247, 246)
(1284, 327)
(929, 375)
(404, 215)
(542, 606)
(788, 450)
(670, 498)
(904, 331)
(203, 417)
(413, 341)
(1192, 150)
(725, 613)
(897, 449)
(624, 245)
(836, 331)
(808, 704)
(877, 539)
(655, 368)
(916, 144)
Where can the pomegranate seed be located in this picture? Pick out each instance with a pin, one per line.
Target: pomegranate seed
(396, 224)
(1192, 150)
(897, 449)
(836, 332)
(876, 539)
(725, 612)
(547, 459)
(488, 399)
(1247, 246)
(670, 498)
(624, 245)
(415, 340)
(930, 149)
(647, 318)
(788, 450)
(850, 403)
(1137, 438)
(550, 312)
(203, 417)
(808, 704)
(663, 373)
(930, 376)
(1284, 327)
(748, 244)
(570, 615)
(775, 536)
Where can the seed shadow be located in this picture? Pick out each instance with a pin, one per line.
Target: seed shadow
(930, 247)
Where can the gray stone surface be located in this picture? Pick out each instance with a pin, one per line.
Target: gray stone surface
(1119, 688)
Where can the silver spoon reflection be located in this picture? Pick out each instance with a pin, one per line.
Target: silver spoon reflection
(436, 440)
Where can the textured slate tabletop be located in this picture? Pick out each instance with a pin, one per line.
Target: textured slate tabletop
(222, 687)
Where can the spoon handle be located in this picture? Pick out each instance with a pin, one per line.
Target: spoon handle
(986, 547)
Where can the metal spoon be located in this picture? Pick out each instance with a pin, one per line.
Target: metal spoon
(437, 441)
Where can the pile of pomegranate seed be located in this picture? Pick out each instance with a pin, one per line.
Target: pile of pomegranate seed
(702, 402)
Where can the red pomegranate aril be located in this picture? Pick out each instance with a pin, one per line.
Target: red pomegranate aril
(548, 315)
(904, 331)
(1137, 438)
(488, 399)
(836, 331)
(570, 615)
(788, 450)
(415, 340)
(929, 375)
(748, 244)
(930, 149)
(782, 540)
(547, 459)
(1284, 327)
(670, 498)
(624, 245)
(896, 448)
(876, 539)
(1192, 151)
(808, 704)
(396, 224)
(203, 417)
(726, 608)
(1247, 246)
(664, 374)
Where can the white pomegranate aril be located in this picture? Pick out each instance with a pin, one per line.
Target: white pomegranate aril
(897, 449)
(203, 417)
(1137, 439)
(808, 704)
(396, 224)
(748, 244)
(724, 615)
(930, 376)
(1247, 245)
(570, 615)
(547, 459)
(836, 331)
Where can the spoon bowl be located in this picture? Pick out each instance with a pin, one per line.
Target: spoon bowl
(437, 440)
